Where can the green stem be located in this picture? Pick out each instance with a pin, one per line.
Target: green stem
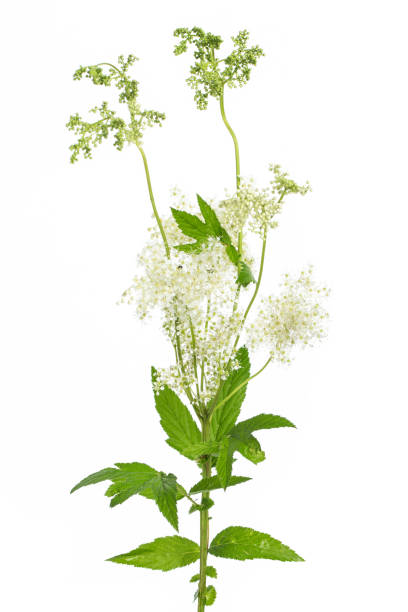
(156, 214)
(258, 283)
(237, 162)
(204, 527)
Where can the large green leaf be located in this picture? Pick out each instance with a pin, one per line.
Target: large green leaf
(191, 225)
(224, 417)
(212, 221)
(130, 479)
(176, 420)
(212, 483)
(162, 554)
(244, 543)
(261, 421)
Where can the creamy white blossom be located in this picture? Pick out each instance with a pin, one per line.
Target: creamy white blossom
(257, 208)
(295, 317)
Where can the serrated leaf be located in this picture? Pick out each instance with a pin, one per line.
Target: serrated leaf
(176, 420)
(191, 225)
(243, 543)
(162, 554)
(224, 417)
(260, 421)
(209, 570)
(130, 479)
(210, 484)
(245, 275)
(210, 595)
(105, 474)
(165, 492)
(212, 221)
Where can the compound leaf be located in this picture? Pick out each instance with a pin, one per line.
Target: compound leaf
(244, 543)
(162, 554)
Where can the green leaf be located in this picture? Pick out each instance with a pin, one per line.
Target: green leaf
(224, 461)
(210, 595)
(245, 275)
(210, 484)
(212, 221)
(162, 554)
(193, 247)
(165, 492)
(202, 448)
(191, 225)
(209, 570)
(233, 254)
(244, 543)
(250, 449)
(105, 474)
(224, 417)
(130, 479)
(261, 421)
(176, 420)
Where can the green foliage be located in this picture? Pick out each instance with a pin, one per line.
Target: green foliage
(91, 134)
(209, 570)
(176, 420)
(224, 417)
(162, 554)
(210, 595)
(261, 421)
(243, 543)
(213, 483)
(200, 231)
(209, 75)
(130, 479)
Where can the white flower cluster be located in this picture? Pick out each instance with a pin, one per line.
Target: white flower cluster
(195, 294)
(259, 207)
(294, 317)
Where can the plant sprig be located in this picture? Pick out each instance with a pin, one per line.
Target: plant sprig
(209, 74)
(198, 292)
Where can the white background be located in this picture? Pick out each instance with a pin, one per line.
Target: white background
(329, 103)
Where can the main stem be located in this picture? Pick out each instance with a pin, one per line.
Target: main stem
(204, 526)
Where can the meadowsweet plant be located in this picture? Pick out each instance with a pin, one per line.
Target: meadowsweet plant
(197, 271)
